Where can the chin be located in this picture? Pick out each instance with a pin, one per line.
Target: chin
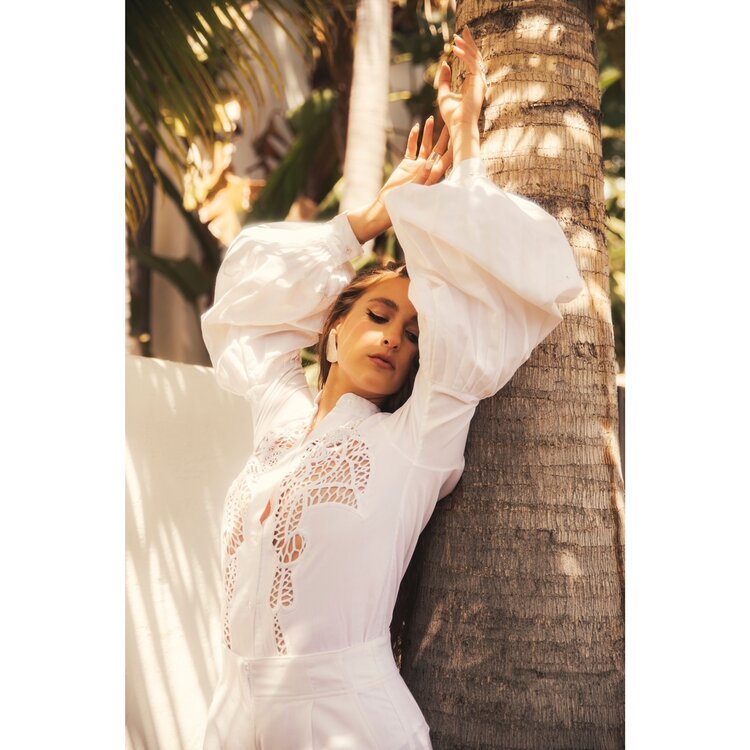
(371, 390)
(372, 394)
(373, 385)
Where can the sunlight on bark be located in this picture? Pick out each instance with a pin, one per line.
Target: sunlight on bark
(535, 92)
(515, 140)
(584, 240)
(599, 300)
(613, 456)
(595, 293)
(569, 564)
(433, 628)
(550, 145)
(580, 130)
(556, 32)
(534, 27)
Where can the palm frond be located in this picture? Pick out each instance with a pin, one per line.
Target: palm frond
(185, 60)
(309, 122)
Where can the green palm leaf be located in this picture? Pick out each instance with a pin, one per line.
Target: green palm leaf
(185, 59)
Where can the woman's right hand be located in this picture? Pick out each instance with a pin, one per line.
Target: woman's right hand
(425, 166)
(460, 111)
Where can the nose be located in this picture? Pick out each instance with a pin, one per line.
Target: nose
(392, 338)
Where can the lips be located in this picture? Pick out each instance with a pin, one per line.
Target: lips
(382, 362)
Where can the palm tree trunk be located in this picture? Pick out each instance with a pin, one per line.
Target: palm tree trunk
(516, 637)
(368, 108)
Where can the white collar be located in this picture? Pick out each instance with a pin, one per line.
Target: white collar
(349, 406)
(351, 403)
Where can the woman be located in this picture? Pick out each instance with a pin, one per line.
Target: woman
(320, 525)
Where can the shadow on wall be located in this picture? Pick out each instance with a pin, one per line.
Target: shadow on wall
(186, 440)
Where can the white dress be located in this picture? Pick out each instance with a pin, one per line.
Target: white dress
(309, 594)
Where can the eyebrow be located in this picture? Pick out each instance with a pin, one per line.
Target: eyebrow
(390, 303)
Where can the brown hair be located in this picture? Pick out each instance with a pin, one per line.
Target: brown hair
(366, 278)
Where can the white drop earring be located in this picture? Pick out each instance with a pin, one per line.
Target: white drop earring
(332, 353)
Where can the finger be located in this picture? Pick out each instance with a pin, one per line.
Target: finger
(448, 159)
(442, 142)
(476, 80)
(439, 168)
(411, 143)
(471, 63)
(468, 43)
(432, 164)
(468, 37)
(432, 172)
(460, 46)
(443, 84)
(429, 126)
(471, 60)
(442, 159)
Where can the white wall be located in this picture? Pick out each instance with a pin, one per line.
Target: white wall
(186, 440)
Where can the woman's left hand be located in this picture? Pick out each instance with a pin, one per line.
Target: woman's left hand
(462, 110)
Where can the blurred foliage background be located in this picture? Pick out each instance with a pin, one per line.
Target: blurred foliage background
(194, 67)
(611, 42)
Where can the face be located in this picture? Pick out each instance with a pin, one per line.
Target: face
(378, 340)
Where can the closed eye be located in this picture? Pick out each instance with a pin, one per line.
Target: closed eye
(413, 337)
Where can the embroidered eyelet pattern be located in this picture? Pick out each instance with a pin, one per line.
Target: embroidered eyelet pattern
(269, 451)
(334, 468)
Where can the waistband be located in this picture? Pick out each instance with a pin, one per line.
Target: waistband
(323, 673)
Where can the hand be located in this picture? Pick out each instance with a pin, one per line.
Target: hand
(425, 167)
(462, 109)
(421, 168)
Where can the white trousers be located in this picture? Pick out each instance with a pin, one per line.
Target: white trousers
(351, 699)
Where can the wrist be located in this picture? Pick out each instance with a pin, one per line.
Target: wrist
(369, 221)
(464, 126)
(465, 140)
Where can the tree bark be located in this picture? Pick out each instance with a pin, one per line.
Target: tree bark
(516, 635)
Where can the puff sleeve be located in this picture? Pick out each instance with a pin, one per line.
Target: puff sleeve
(273, 291)
(487, 270)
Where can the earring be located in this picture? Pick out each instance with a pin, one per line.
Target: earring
(332, 353)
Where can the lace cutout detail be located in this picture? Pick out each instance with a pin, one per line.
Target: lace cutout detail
(278, 635)
(335, 468)
(270, 449)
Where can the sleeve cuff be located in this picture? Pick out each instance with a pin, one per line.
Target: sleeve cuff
(345, 240)
(466, 170)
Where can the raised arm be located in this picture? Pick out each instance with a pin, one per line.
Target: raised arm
(277, 282)
(273, 291)
(461, 110)
(488, 271)
(422, 164)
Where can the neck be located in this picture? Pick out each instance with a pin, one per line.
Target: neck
(336, 386)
